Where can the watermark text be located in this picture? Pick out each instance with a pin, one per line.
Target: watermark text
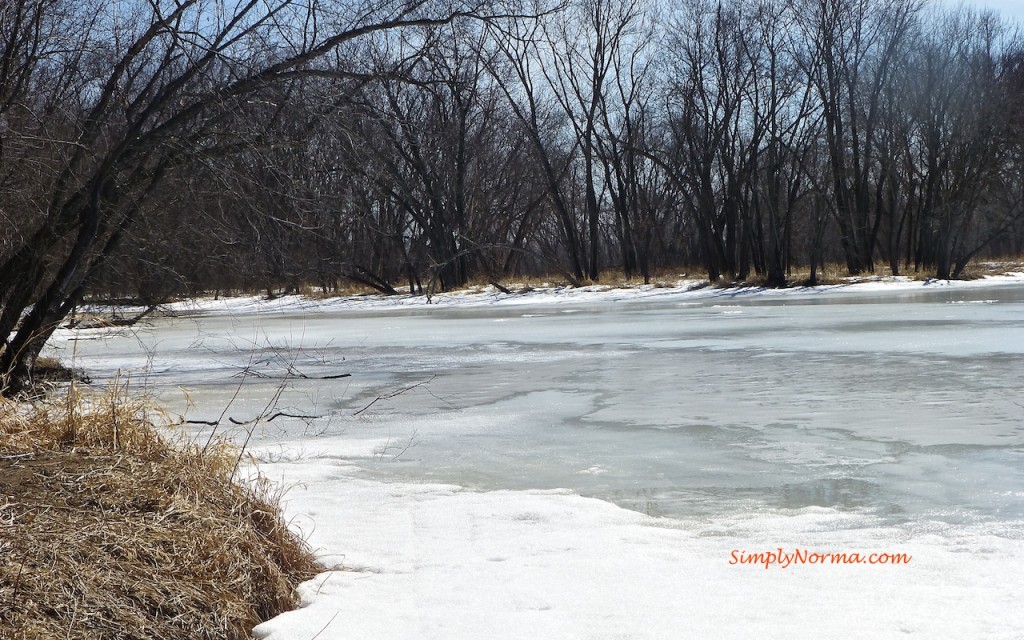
(785, 559)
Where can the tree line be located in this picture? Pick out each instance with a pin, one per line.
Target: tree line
(151, 148)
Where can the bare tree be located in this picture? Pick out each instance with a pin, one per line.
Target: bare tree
(148, 87)
(858, 47)
(519, 72)
(961, 147)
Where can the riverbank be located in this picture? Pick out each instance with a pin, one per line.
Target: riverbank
(544, 293)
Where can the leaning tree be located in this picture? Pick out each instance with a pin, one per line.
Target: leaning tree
(102, 102)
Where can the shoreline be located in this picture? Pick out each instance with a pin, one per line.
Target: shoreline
(488, 296)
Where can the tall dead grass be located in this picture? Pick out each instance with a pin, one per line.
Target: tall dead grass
(110, 530)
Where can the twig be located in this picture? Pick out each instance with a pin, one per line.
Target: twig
(234, 396)
(18, 456)
(17, 583)
(408, 445)
(279, 414)
(505, 290)
(297, 416)
(388, 396)
(74, 616)
(326, 625)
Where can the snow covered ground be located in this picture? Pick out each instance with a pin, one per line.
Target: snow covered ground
(605, 463)
(435, 561)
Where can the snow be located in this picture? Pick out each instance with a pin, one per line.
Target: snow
(488, 501)
(436, 561)
(683, 290)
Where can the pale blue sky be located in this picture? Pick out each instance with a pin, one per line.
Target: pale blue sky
(1014, 8)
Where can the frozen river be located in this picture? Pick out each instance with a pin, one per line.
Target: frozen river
(896, 411)
(899, 404)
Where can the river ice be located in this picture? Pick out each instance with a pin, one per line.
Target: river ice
(584, 466)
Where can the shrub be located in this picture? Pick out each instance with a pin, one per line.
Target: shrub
(110, 530)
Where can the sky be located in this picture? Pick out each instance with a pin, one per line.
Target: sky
(1012, 8)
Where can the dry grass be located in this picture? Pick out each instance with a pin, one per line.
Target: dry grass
(49, 371)
(108, 530)
(611, 277)
(345, 288)
(994, 266)
(828, 274)
(833, 273)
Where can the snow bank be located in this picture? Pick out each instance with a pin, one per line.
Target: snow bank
(439, 562)
(683, 290)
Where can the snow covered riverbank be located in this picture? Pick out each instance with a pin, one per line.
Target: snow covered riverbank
(432, 561)
(555, 295)
(487, 502)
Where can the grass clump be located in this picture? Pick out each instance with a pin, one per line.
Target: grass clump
(109, 530)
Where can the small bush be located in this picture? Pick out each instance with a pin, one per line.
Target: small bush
(108, 530)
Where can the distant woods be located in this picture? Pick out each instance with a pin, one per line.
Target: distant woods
(152, 148)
